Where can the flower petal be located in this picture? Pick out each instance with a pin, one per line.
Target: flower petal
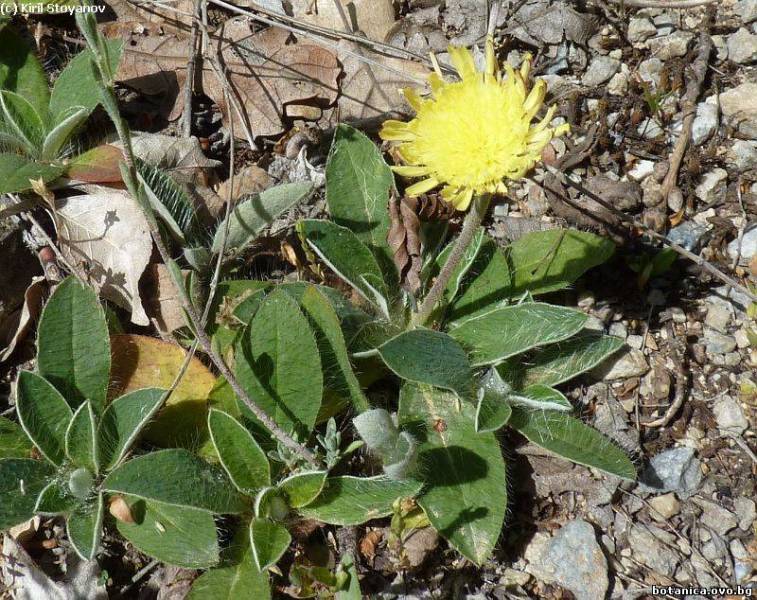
(491, 59)
(535, 99)
(462, 200)
(422, 187)
(462, 60)
(413, 98)
(396, 131)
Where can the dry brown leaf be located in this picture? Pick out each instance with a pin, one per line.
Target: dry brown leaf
(369, 542)
(120, 510)
(250, 180)
(374, 18)
(105, 234)
(182, 158)
(33, 300)
(162, 302)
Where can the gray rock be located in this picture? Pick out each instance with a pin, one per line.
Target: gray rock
(688, 234)
(721, 47)
(748, 247)
(742, 47)
(712, 186)
(640, 30)
(574, 560)
(670, 46)
(746, 511)
(730, 416)
(718, 316)
(747, 11)
(600, 70)
(648, 548)
(740, 109)
(718, 343)
(649, 129)
(714, 516)
(618, 84)
(675, 470)
(630, 363)
(705, 122)
(743, 155)
(650, 70)
(664, 507)
(742, 561)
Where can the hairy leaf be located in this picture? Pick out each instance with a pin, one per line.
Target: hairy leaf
(432, 357)
(22, 119)
(85, 526)
(354, 500)
(74, 351)
(540, 396)
(21, 71)
(14, 442)
(81, 439)
(16, 172)
(241, 456)
(493, 410)
(464, 470)
(269, 541)
(178, 478)
(21, 481)
(570, 438)
(494, 336)
(55, 499)
(44, 415)
(278, 363)
(302, 488)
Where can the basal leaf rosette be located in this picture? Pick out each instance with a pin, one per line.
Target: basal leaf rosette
(472, 135)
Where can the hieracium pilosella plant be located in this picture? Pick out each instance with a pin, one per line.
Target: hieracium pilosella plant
(429, 378)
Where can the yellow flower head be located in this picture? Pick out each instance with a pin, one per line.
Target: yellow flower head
(471, 135)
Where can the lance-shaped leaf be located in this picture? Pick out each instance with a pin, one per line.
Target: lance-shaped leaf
(349, 258)
(21, 481)
(43, 414)
(542, 397)
(493, 410)
(358, 184)
(81, 439)
(85, 526)
(269, 541)
(301, 489)
(22, 120)
(74, 350)
(338, 378)
(176, 535)
(123, 420)
(249, 218)
(461, 269)
(570, 438)
(55, 141)
(503, 332)
(241, 456)
(432, 357)
(178, 478)
(560, 362)
(16, 172)
(239, 577)
(351, 500)
(277, 362)
(21, 71)
(466, 497)
(14, 442)
(55, 499)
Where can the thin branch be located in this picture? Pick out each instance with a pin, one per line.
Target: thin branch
(662, 3)
(191, 67)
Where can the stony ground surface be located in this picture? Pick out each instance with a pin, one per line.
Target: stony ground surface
(619, 76)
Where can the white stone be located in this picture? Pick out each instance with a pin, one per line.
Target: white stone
(712, 185)
(649, 129)
(718, 316)
(600, 70)
(640, 30)
(650, 70)
(742, 155)
(630, 363)
(641, 170)
(747, 11)
(670, 46)
(706, 121)
(618, 85)
(664, 507)
(742, 47)
(739, 107)
(748, 247)
(730, 416)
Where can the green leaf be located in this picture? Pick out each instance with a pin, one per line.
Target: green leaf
(487, 283)
(81, 439)
(302, 488)
(244, 461)
(466, 497)
(542, 397)
(345, 254)
(358, 184)
(74, 349)
(462, 268)
(240, 579)
(494, 336)
(570, 438)
(21, 72)
(16, 172)
(545, 261)
(55, 140)
(493, 410)
(350, 589)
(123, 420)
(278, 364)
(21, 481)
(23, 121)
(338, 377)
(76, 85)
(176, 535)
(269, 541)
(54, 499)
(354, 500)
(85, 527)
(250, 217)
(563, 361)
(432, 357)
(14, 442)
(178, 478)
(43, 414)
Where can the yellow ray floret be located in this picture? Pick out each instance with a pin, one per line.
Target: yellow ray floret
(472, 135)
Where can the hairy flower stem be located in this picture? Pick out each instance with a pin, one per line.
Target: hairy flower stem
(105, 80)
(472, 221)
